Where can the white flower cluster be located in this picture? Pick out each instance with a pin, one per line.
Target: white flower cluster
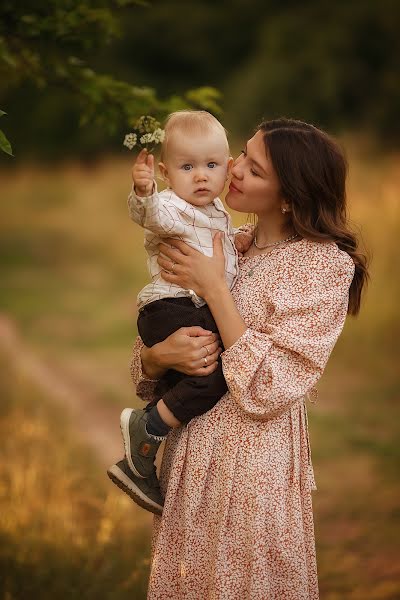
(130, 140)
(147, 138)
(146, 132)
(157, 137)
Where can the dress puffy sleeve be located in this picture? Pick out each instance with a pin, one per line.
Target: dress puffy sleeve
(144, 386)
(267, 371)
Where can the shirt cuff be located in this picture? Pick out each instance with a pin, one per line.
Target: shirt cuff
(143, 198)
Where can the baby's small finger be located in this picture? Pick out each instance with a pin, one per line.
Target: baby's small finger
(141, 157)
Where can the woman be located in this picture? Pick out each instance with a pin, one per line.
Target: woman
(237, 522)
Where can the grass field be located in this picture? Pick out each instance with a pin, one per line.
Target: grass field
(64, 532)
(71, 266)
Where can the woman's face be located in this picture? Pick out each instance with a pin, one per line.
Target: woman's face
(254, 186)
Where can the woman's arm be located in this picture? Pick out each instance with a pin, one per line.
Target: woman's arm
(151, 366)
(184, 350)
(267, 371)
(227, 317)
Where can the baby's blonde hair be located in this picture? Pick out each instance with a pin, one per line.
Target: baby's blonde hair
(191, 122)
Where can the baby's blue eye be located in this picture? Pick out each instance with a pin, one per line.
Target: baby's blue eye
(187, 167)
(212, 165)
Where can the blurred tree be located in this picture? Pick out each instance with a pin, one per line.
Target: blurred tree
(335, 64)
(332, 63)
(4, 143)
(45, 42)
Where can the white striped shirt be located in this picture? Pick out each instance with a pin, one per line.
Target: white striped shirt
(164, 214)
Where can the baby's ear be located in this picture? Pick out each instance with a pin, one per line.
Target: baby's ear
(163, 172)
(230, 165)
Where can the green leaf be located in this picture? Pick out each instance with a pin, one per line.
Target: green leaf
(2, 113)
(5, 144)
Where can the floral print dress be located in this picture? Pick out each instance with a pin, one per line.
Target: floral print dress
(237, 522)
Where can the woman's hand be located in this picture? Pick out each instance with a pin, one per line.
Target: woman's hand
(190, 350)
(191, 269)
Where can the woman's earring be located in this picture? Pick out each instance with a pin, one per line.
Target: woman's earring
(283, 209)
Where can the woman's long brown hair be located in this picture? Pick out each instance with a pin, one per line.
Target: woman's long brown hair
(312, 171)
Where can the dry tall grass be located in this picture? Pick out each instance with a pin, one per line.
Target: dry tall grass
(64, 532)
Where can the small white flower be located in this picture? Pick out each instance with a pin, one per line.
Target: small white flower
(159, 135)
(130, 140)
(147, 138)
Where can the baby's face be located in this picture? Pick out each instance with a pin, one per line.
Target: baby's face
(196, 167)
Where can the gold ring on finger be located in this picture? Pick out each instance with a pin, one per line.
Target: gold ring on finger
(207, 350)
(205, 361)
(172, 268)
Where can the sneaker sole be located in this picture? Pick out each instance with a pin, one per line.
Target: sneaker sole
(124, 424)
(118, 477)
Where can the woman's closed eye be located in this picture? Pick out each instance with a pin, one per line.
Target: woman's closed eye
(252, 171)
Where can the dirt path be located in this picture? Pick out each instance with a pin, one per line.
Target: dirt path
(96, 424)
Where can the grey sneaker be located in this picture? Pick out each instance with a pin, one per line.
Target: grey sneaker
(140, 447)
(145, 492)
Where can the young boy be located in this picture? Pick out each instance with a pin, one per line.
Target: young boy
(195, 164)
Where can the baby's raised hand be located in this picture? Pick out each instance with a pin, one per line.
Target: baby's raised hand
(143, 173)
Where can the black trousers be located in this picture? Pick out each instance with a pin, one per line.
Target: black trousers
(186, 396)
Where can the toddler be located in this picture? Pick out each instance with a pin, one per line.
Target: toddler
(195, 164)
